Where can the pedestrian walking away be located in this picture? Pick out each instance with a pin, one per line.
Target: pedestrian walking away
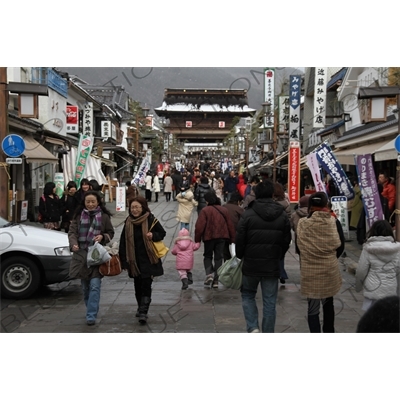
(156, 187)
(378, 271)
(137, 253)
(91, 223)
(149, 185)
(263, 237)
(184, 249)
(69, 203)
(214, 227)
(185, 209)
(168, 187)
(131, 192)
(199, 195)
(320, 242)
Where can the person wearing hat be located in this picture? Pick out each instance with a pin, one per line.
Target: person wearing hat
(320, 242)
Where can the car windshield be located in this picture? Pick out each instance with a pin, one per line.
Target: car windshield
(3, 222)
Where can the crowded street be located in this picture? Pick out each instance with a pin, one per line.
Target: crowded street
(59, 308)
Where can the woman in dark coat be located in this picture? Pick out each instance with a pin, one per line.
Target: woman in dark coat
(137, 253)
(91, 223)
(69, 203)
(50, 207)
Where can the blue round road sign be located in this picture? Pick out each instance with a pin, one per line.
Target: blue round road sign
(13, 145)
(397, 143)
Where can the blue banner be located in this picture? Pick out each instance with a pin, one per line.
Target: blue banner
(332, 166)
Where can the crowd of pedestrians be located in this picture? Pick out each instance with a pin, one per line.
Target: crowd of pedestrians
(254, 215)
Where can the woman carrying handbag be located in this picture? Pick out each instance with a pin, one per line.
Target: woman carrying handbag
(91, 223)
(137, 255)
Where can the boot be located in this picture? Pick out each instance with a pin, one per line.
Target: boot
(143, 309)
(190, 278)
(185, 284)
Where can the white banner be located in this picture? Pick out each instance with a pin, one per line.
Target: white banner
(269, 93)
(120, 198)
(141, 174)
(313, 166)
(320, 97)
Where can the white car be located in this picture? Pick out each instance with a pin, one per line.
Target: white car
(30, 257)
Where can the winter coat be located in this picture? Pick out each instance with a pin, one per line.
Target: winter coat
(142, 259)
(184, 249)
(263, 237)
(78, 268)
(378, 271)
(168, 184)
(50, 208)
(230, 184)
(356, 207)
(156, 184)
(389, 191)
(199, 193)
(186, 206)
(68, 205)
(131, 193)
(149, 182)
(301, 212)
(286, 205)
(235, 212)
(241, 186)
(177, 180)
(214, 222)
(248, 200)
(184, 185)
(318, 240)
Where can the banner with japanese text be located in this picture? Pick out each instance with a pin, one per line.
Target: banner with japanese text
(269, 93)
(369, 188)
(313, 166)
(294, 171)
(320, 97)
(84, 150)
(332, 166)
(294, 107)
(140, 176)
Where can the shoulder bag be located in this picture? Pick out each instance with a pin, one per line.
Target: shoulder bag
(160, 248)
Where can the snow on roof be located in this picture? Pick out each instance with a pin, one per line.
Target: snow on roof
(203, 108)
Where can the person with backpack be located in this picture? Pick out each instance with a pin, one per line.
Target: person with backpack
(50, 207)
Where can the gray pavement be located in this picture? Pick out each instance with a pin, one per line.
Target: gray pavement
(60, 308)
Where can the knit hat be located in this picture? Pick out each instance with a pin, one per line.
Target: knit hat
(183, 232)
(303, 202)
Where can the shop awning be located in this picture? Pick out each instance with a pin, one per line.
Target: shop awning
(386, 152)
(346, 157)
(36, 153)
(105, 161)
(278, 158)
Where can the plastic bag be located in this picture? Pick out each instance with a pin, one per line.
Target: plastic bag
(232, 249)
(97, 255)
(230, 273)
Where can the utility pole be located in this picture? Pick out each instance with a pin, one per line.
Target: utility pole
(4, 178)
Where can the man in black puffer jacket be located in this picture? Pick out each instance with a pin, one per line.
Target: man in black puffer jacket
(202, 188)
(263, 237)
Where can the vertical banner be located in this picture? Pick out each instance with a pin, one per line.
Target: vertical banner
(294, 171)
(72, 119)
(339, 207)
(84, 150)
(269, 94)
(313, 166)
(369, 189)
(320, 97)
(138, 180)
(294, 107)
(59, 182)
(120, 197)
(283, 112)
(88, 119)
(332, 166)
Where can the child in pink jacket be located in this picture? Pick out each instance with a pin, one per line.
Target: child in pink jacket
(183, 250)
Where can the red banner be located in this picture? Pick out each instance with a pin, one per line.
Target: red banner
(294, 172)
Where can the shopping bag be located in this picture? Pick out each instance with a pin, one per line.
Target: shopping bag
(97, 255)
(160, 249)
(230, 273)
(232, 249)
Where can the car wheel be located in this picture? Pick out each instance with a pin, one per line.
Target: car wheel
(20, 278)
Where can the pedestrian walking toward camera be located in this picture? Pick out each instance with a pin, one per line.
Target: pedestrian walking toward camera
(214, 227)
(185, 209)
(200, 192)
(91, 223)
(263, 237)
(184, 249)
(137, 253)
(149, 185)
(69, 203)
(131, 192)
(320, 242)
(94, 185)
(83, 188)
(378, 268)
(50, 207)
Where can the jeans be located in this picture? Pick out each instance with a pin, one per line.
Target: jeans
(328, 318)
(184, 225)
(91, 296)
(269, 289)
(213, 248)
(283, 274)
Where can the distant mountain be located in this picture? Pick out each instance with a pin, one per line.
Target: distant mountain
(147, 85)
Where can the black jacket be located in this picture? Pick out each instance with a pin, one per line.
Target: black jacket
(50, 208)
(201, 190)
(263, 237)
(68, 207)
(142, 259)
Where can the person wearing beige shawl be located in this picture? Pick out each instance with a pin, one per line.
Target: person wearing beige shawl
(320, 242)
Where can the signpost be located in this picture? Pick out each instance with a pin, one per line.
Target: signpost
(339, 207)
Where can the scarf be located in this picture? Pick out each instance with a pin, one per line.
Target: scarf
(130, 242)
(90, 226)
